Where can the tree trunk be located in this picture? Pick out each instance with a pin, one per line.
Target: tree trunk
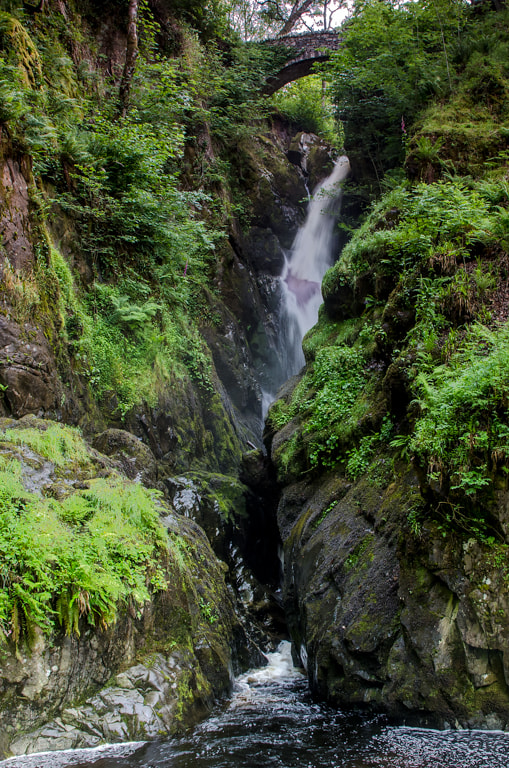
(131, 54)
(297, 12)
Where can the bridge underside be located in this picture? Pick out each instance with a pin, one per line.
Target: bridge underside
(293, 71)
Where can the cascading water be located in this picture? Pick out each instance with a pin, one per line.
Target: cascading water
(272, 721)
(309, 259)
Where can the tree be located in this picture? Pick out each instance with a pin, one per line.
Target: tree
(255, 19)
(131, 54)
(394, 59)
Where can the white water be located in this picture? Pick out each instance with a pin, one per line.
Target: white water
(310, 257)
(280, 667)
(271, 721)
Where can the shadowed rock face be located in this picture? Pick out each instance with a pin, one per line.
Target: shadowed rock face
(136, 459)
(417, 626)
(27, 369)
(27, 363)
(15, 225)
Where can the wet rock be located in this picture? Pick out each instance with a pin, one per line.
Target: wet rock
(15, 224)
(385, 619)
(141, 703)
(135, 458)
(169, 661)
(312, 155)
(241, 528)
(263, 250)
(27, 369)
(256, 471)
(277, 190)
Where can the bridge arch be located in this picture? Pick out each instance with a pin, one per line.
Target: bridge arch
(306, 49)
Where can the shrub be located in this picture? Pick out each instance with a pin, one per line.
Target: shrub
(84, 555)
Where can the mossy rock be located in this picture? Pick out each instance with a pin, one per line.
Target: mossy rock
(171, 600)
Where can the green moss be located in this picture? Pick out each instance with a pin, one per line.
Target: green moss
(14, 37)
(327, 333)
(361, 555)
(82, 556)
(61, 445)
(289, 457)
(294, 539)
(225, 494)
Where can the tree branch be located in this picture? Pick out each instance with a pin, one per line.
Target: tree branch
(295, 14)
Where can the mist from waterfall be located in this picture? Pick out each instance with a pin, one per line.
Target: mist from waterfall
(310, 257)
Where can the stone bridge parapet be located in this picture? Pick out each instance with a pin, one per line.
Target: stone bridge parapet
(309, 48)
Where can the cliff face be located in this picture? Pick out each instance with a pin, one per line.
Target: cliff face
(105, 589)
(391, 448)
(139, 301)
(380, 617)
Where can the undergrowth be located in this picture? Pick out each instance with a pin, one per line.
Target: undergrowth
(145, 221)
(409, 361)
(80, 557)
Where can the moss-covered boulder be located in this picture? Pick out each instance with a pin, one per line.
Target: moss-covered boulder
(103, 585)
(411, 624)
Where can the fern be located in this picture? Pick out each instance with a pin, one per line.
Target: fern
(135, 317)
(81, 557)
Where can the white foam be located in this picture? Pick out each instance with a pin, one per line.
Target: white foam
(311, 256)
(280, 666)
(66, 757)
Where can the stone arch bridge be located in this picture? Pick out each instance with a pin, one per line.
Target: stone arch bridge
(307, 49)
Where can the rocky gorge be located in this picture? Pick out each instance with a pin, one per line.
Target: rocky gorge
(157, 538)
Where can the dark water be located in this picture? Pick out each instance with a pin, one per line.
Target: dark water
(271, 721)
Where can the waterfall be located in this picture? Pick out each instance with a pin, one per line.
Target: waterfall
(300, 281)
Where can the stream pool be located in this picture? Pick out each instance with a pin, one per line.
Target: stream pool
(271, 720)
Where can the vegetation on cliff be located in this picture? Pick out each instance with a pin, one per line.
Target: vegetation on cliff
(391, 447)
(131, 194)
(100, 576)
(410, 354)
(85, 548)
(109, 194)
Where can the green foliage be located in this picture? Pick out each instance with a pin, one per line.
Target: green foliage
(425, 236)
(393, 58)
(134, 317)
(339, 379)
(148, 243)
(428, 264)
(125, 198)
(237, 80)
(281, 412)
(359, 458)
(209, 17)
(461, 435)
(208, 612)
(85, 555)
(331, 401)
(60, 445)
(427, 223)
(306, 104)
(20, 49)
(327, 332)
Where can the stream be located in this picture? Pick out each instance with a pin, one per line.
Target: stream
(271, 720)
